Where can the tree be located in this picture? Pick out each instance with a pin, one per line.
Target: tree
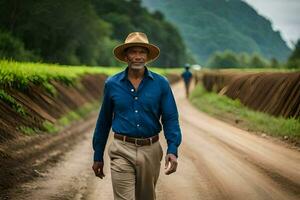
(257, 61)
(294, 59)
(13, 48)
(66, 32)
(226, 59)
(127, 16)
(229, 59)
(274, 63)
(76, 32)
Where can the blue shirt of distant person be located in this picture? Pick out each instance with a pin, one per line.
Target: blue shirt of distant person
(187, 77)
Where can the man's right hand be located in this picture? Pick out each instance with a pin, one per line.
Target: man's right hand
(98, 169)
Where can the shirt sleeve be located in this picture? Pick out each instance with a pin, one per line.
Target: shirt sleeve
(170, 120)
(103, 125)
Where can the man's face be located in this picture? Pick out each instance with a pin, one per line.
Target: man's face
(136, 57)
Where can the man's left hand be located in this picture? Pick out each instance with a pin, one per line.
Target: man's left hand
(170, 164)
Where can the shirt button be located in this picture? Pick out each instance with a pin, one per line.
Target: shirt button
(132, 90)
(136, 98)
(136, 111)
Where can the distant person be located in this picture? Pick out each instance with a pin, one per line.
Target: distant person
(187, 78)
(135, 103)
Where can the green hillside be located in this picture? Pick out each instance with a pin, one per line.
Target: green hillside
(216, 25)
(79, 32)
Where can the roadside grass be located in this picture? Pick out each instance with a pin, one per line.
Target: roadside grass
(71, 117)
(63, 121)
(28, 130)
(50, 127)
(226, 109)
(12, 102)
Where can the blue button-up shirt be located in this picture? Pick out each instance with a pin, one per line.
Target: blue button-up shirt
(137, 113)
(186, 75)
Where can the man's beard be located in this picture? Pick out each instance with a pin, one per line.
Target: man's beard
(137, 66)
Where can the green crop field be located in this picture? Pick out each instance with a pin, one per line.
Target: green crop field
(19, 75)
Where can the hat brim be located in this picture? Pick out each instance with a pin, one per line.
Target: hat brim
(119, 51)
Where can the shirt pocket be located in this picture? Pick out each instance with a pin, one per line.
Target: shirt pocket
(150, 102)
(121, 102)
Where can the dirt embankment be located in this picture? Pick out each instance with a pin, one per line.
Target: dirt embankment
(21, 156)
(173, 78)
(275, 93)
(40, 105)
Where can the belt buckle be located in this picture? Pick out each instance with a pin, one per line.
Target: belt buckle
(135, 142)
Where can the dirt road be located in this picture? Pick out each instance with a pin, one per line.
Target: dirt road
(217, 161)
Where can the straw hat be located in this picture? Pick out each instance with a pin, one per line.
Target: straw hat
(136, 39)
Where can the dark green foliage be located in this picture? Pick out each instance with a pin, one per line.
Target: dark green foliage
(67, 32)
(223, 60)
(76, 32)
(13, 48)
(257, 62)
(9, 100)
(229, 59)
(274, 63)
(127, 16)
(294, 59)
(208, 26)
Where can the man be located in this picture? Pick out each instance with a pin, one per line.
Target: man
(134, 102)
(187, 76)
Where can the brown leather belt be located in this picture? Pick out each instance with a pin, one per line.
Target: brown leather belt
(137, 141)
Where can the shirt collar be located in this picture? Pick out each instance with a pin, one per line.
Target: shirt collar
(148, 73)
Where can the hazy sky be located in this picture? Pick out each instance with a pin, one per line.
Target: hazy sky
(284, 14)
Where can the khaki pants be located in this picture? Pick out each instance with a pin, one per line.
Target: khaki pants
(134, 170)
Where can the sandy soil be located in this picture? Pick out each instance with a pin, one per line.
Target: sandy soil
(217, 161)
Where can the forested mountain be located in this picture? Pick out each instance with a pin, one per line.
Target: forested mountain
(76, 32)
(217, 25)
